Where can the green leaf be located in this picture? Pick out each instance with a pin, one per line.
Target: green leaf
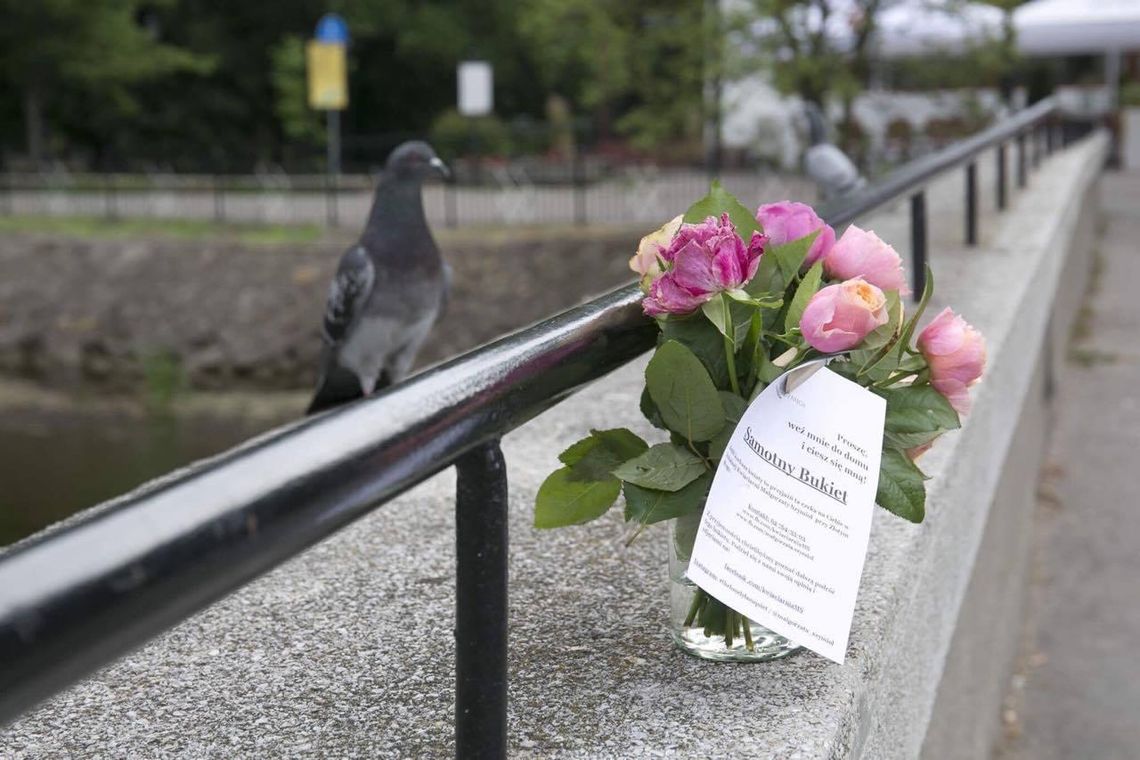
(904, 441)
(901, 488)
(666, 467)
(684, 393)
(734, 407)
(918, 409)
(807, 288)
(592, 459)
(649, 409)
(790, 256)
(725, 313)
(702, 338)
(742, 296)
(563, 501)
(648, 506)
(716, 312)
(685, 534)
(623, 442)
(927, 292)
(574, 454)
(716, 203)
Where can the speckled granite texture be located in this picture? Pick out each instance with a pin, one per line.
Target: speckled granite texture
(347, 651)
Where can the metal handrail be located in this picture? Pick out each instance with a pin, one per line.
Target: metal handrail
(84, 593)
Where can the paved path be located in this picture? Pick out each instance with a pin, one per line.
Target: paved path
(1079, 694)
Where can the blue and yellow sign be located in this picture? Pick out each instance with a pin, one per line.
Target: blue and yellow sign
(328, 77)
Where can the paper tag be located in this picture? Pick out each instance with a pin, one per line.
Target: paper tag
(786, 524)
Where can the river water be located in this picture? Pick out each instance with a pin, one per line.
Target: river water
(53, 463)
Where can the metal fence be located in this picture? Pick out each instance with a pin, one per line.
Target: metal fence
(75, 598)
(500, 194)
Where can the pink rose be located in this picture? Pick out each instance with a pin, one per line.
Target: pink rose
(704, 259)
(956, 353)
(646, 261)
(786, 221)
(839, 316)
(860, 253)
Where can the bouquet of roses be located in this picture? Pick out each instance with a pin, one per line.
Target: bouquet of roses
(741, 298)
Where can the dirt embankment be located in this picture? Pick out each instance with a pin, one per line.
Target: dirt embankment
(125, 315)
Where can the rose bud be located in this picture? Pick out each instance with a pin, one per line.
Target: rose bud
(839, 316)
(646, 262)
(860, 253)
(705, 259)
(786, 221)
(956, 354)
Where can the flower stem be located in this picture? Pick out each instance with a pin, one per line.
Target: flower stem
(698, 600)
(747, 633)
(730, 346)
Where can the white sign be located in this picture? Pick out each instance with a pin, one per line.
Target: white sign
(476, 88)
(785, 528)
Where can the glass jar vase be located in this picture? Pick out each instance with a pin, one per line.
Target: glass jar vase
(702, 626)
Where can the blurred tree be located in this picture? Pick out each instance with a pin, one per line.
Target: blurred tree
(290, 85)
(640, 67)
(94, 49)
(816, 49)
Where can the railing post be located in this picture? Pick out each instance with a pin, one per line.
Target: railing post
(972, 203)
(1021, 167)
(1002, 181)
(918, 242)
(481, 604)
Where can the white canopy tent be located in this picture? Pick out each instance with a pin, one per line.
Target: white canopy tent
(1077, 27)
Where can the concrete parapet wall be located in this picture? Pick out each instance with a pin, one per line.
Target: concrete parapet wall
(346, 651)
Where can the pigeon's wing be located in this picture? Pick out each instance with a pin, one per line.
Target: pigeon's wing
(445, 296)
(347, 293)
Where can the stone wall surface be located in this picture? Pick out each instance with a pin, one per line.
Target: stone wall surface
(226, 315)
(346, 651)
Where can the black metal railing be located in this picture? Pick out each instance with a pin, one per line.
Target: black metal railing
(80, 595)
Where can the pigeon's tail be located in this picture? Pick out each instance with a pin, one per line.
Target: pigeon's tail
(338, 386)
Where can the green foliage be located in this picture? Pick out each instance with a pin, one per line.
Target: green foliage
(92, 52)
(807, 288)
(901, 488)
(453, 134)
(585, 488)
(164, 379)
(685, 533)
(563, 501)
(703, 339)
(916, 414)
(638, 66)
(780, 265)
(684, 393)
(290, 86)
(719, 201)
(648, 506)
(665, 467)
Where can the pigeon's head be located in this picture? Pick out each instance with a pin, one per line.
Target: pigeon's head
(415, 160)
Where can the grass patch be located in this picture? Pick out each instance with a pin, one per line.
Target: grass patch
(186, 229)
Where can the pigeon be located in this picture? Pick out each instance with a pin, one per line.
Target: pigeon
(389, 287)
(834, 173)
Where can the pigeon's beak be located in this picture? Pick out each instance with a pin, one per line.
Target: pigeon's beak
(438, 164)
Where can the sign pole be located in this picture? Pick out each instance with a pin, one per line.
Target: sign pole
(328, 92)
(332, 126)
